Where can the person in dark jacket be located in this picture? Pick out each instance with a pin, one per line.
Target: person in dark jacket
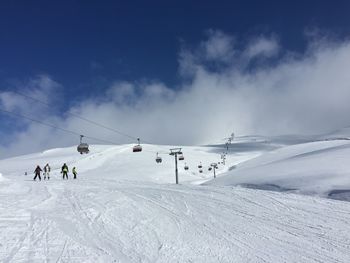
(37, 173)
(65, 171)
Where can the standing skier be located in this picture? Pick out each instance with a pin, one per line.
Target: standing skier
(65, 171)
(37, 173)
(74, 171)
(47, 170)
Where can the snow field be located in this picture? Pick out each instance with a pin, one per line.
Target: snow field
(125, 207)
(315, 168)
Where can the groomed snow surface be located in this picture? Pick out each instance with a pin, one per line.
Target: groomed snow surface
(124, 207)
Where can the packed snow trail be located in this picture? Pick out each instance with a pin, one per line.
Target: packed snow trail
(105, 220)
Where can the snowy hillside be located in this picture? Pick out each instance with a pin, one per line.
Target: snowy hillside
(120, 163)
(124, 207)
(321, 168)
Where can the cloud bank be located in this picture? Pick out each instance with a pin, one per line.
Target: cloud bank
(255, 87)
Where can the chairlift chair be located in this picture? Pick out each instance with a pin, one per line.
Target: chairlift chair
(158, 159)
(209, 169)
(200, 166)
(138, 147)
(186, 167)
(200, 171)
(181, 157)
(82, 147)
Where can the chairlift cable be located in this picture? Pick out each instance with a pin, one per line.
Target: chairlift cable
(77, 116)
(55, 127)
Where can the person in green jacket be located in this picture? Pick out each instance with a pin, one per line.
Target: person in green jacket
(74, 171)
(65, 171)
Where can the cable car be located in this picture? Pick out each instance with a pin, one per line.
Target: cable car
(82, 147)
(138, 147)
(181, 157)
(200, 165)
(158, 159)
(186, 167)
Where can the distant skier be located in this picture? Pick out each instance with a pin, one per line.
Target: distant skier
(47, 170)
(65, 171)
(74, 171)
(37, 173)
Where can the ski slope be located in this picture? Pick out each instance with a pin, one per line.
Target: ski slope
(126, 208)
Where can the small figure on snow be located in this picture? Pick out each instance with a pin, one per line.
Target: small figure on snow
(65, 171)
(37, 173)
(74, 171)
(47, 170)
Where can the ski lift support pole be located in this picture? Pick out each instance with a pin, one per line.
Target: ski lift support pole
(175, 152)
(215, 166)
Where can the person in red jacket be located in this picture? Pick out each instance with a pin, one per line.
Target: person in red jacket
(37, 173)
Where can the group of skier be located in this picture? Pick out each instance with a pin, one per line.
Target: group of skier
(47, 170)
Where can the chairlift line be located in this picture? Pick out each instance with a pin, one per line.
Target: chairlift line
(83, 147)
(18, 115)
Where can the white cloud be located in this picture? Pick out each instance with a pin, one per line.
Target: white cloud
(262, 47)
(42, 88)
(308, 93)
(218, 46)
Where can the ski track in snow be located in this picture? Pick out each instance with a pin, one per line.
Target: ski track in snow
(94, 221)
(131, 218)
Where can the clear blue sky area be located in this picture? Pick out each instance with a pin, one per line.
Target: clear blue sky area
(85, 45)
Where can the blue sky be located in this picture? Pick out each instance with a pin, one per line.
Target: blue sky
(85, 44)
(213, 66)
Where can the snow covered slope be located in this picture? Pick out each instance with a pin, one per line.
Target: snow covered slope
(126, 208)
(120, 163)
(321, 168)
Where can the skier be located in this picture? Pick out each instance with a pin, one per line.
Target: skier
(47, 170)
(37, 173)
(74, 171)
(65, 171)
